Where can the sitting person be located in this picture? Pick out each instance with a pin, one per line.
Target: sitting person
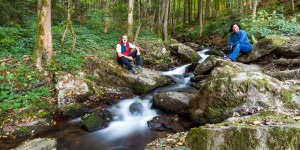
(123, 56)
(238, 42)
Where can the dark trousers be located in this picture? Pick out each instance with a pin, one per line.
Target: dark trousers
(122, 60)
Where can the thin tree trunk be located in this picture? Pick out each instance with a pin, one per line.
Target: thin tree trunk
(165, 21)
(242, 7)
(173, 20)
(250, 4)
(137, 34)
(189, 11)
(184, 11)
(293, 5)
(207, 13)
(130, 19)
(254, 7)
(69, 24)
(212, 9)
(44, 36)
(106, 25)
(200, 3)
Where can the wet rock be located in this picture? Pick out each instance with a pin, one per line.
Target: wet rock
(198, 78)
(71, 88)
(136, 108)
(99, 119)
(214, 52)
(262, 48)
(75, 110)
(259, 137)
(185, 53)
(219, 98)
(159, 123)
(172, 141)
(39, 144)
(192, 67)
(172, 102)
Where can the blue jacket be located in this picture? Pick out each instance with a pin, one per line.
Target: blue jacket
(239, 38)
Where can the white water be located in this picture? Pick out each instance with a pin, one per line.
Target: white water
(124, 123)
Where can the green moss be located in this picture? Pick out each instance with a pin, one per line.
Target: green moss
(277, 40)
(286, 96)
(73, 110)
(284, 138)
(197, 138)
(91, 122)
(217, 52)
(193, 58)
(217, 114)
(240, 139)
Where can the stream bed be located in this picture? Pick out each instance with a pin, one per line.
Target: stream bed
(126, 131)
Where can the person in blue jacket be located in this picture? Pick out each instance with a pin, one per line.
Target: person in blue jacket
(238, 42)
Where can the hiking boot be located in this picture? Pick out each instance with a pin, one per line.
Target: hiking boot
(139, 67)
(133, 71)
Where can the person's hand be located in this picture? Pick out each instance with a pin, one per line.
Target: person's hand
(130, 58)
(231, 47)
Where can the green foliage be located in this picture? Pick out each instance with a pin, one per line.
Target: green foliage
(18, 89)
(274, 23)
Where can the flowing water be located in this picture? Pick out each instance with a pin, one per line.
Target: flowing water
(126, 131)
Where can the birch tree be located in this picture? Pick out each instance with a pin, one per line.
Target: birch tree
(165, 20)
(254, 8)
(200, 5)
(43, 43)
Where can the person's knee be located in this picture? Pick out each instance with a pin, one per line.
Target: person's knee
(238, 45)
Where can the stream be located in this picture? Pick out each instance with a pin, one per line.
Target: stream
(126, 131)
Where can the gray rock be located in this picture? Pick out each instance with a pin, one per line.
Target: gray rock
(39, 144)
(172, 102)
(262, 48)
(185, 53)
(294, 51)
(259, 137)
(136, 108)
(71, 88)
(219, 98)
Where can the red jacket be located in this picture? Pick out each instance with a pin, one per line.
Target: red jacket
(124, 49)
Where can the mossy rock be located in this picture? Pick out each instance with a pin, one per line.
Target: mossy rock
(262, 48)
(99, 119)
(214, 52)
(246, 138)
(74, 110)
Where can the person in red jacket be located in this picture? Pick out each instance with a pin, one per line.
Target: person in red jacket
(123, 56)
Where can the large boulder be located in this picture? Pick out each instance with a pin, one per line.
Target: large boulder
(290, 51)
(186, 53)
(39, 144)
(71, 88)
(262, 48)
(109, 73)
(96, 120)
(206, 67)
(220, 98)
(259, 137)
(172, 102)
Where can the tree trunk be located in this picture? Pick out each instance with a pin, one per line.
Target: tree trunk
(165, 20)
(250, 4)
(200, 3)
(189, 11)
(212, 9)
(173, 20)
(242, 7)
(137, 34)
(254, 7)
(44, 35)
(184, 11)
(130, 19)
(106, 25)
(69, 24)
(293, 5)
(207, 13)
